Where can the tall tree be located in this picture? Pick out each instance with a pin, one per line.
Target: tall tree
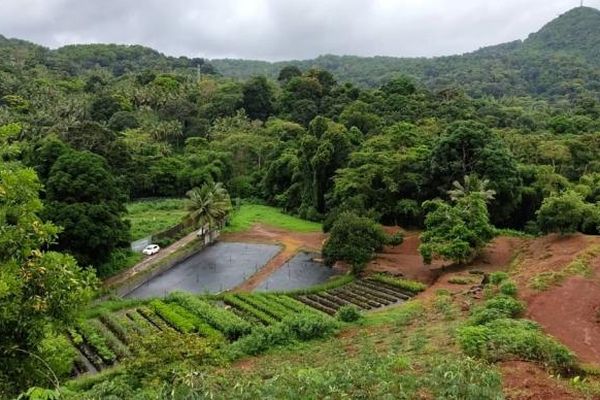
(208, 205)
(258, 98)
(86, 200)
(40, 291)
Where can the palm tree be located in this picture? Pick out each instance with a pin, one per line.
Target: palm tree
(208, 205)
(472, 185)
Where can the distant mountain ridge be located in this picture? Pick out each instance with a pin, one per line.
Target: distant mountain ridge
(569, 43)
(561, 59)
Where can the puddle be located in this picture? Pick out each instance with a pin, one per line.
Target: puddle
(298, 273)
(219, 267)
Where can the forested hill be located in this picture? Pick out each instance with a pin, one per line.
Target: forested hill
(558, 60)
(16, 54)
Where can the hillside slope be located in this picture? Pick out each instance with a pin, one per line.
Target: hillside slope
(568, 44)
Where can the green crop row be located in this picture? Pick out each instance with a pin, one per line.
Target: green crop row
(174, 319)
(413, 287)
(246, 307)
(183, 320)
(275, 310)
(291, 303)
(225, 321)
(153, 319)
(114, 344)
(98, 342)
(118, 326)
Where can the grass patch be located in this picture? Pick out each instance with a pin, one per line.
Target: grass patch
(152, 216)
(119, 260)
(250, 214)
(578, 267)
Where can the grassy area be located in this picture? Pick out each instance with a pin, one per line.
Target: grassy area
(249, 214)
(151, 216)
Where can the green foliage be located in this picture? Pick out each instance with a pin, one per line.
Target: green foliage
(465, 379)
(225, 321)
(250, 214)
(208, 205)
(97, 341)
(355, 240)
(86, 200)
(498, 277)
(40, 292)
(456, 232)
(493, 333)
(505, 338)
(152, 216)
(561, 212)
(301, 327)
(348, 313)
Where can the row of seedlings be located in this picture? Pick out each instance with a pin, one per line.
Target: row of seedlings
(266, 308)
(104, 341)
(182, 320)
(228, 323)
(366, 294)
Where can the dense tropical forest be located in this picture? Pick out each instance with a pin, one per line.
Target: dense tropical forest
(507, 137)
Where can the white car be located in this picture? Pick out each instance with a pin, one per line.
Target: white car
(151, 249)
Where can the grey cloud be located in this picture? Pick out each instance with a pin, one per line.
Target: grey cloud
(281, 29)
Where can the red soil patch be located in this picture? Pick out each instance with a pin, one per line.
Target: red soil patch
(571, 313)
(406, 260)
(291, 242)
(527, 381)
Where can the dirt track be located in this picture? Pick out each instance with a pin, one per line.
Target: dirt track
(291, 243)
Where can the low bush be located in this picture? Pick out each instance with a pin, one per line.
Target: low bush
(413, 287)
(501, 306)
(225, 321)
(466, 379)
(305, 327)
(508, 288)
(498, 277)
(348, 313)
(502, 339)
(301, 327)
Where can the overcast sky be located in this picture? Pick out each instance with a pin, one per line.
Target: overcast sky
(282, 29)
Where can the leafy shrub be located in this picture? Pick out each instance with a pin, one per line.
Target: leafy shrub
(457, 280)
(511, 306)
(498, 277)
(59, 354)
(496, 308)
(505, 338)
(261, 339)
(301, 327)
(306, 327)
(354, 239)
(413, 287)
(348, 313)
(465, 379)
(508, 289)
(225, 321)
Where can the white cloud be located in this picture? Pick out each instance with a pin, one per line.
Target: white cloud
(282, 29)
